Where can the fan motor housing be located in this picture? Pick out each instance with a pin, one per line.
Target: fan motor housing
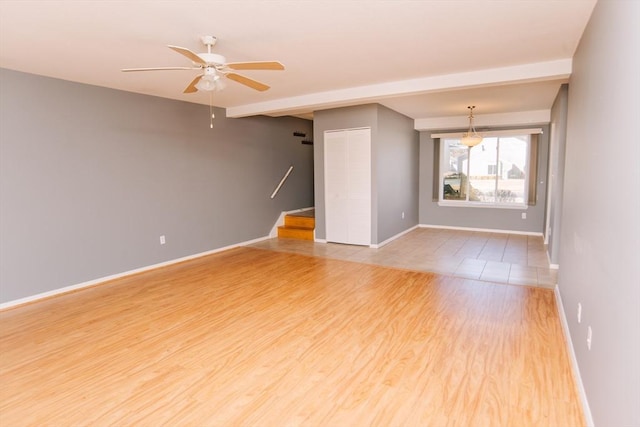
(213, 58)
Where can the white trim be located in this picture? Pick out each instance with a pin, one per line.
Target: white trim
(391, 239)
(487, 205)
(315, 239)
(280, 221)
(491, 133)
(551, 265)
(484, 230)
(71, 288)
(572, 355)
(345, 129)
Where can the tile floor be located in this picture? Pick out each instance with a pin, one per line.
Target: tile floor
(494, 257)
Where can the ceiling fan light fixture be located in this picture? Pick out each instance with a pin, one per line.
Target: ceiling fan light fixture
(471, 138)
(209, 81)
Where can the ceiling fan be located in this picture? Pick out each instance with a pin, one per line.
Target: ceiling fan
(214, 67)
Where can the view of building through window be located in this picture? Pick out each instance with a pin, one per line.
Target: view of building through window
(493, 172)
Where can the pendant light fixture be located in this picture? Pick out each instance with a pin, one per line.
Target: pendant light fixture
(471, 137)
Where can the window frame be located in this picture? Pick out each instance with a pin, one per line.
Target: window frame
(443, 164)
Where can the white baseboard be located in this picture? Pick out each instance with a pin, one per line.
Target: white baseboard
(484, 230)
(391, 239)
(572, 355)
(280, 221)
(551, 265)
(48, 294)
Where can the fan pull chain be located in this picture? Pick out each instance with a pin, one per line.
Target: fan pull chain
(211, 109)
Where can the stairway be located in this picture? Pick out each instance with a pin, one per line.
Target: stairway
(299, 225)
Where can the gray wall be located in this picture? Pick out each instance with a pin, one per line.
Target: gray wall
(91, 177)
(397, 148)
(556, 172)
(600, 237)
(489, 218)
(339, 118)
(394, 169)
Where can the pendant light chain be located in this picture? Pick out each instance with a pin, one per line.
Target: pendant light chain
(471, 138)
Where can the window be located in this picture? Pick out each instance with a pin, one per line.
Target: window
(493, 173)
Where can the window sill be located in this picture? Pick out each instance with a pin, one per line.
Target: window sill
(481, 205)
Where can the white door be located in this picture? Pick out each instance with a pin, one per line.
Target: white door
(335, 189)
(348, 186)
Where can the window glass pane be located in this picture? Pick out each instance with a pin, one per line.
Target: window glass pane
(493, 172)
(511, 170)
(454, 170)
(482, 172)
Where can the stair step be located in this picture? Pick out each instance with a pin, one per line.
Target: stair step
(295, 233)
(299, 225)
(300, 221)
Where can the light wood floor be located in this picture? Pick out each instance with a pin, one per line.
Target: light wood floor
(266, 338)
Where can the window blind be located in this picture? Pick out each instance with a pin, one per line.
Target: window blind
(436, 170)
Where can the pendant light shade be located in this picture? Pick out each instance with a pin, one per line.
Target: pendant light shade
(471, 137)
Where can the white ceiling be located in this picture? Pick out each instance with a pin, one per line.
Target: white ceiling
(425, 59)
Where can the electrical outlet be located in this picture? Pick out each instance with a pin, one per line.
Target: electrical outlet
(402, 215)
(579, 312)
(589, 337)
(524, 215)
(162, 240)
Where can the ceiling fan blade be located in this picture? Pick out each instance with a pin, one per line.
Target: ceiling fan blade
(256, 65)
(192, 86)
(186, 52)
(159, 69)
(254, 84)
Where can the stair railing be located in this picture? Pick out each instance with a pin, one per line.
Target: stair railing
(284, 178)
